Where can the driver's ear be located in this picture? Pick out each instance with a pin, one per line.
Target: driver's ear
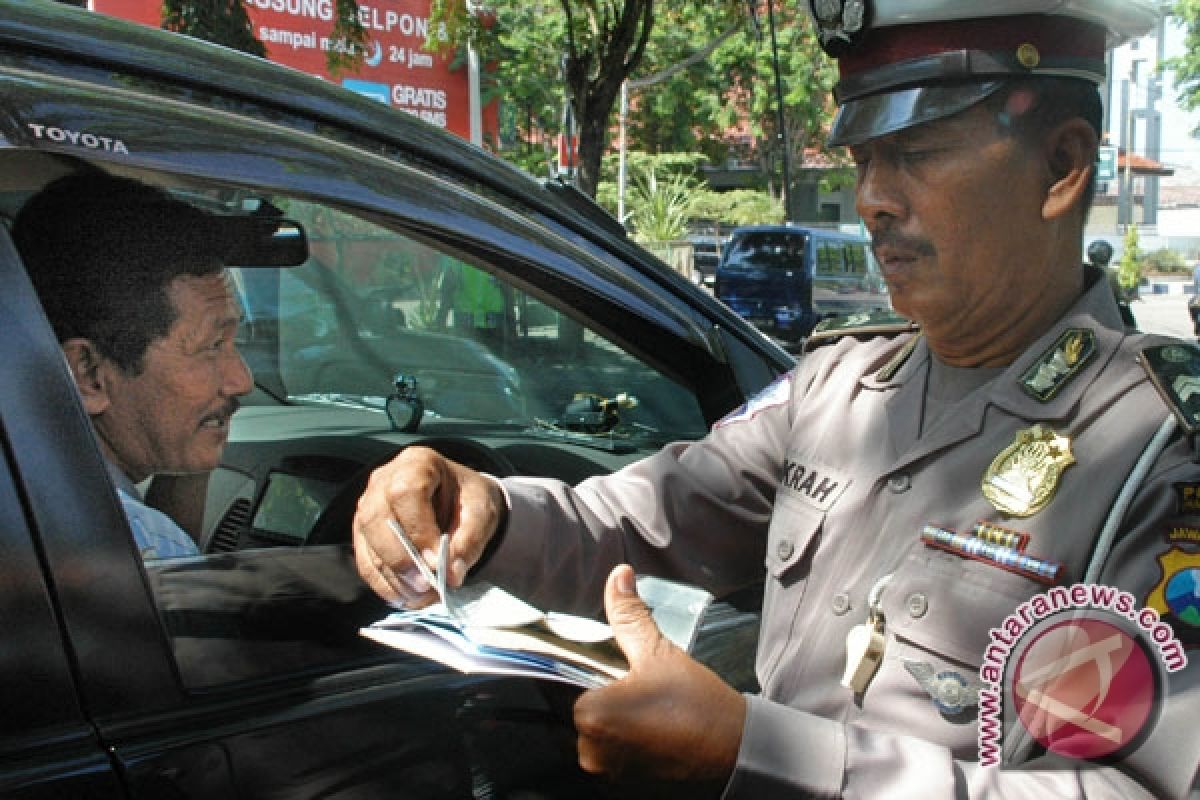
(87, 367)
(1071, 159)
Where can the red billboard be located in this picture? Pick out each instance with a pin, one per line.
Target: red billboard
(396, 70)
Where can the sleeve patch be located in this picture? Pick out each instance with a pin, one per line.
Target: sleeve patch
(776, 393)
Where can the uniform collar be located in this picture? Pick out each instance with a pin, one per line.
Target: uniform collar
(1095, 318)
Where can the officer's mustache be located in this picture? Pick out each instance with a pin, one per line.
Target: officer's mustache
(898, 243)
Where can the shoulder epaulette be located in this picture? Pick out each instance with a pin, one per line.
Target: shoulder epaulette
(1174, 369)
(864, 325)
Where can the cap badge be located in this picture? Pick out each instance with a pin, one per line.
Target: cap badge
(1028, 56)
(1023, 478)
(839, 23)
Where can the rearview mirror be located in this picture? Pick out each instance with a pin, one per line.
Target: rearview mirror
(267, 242)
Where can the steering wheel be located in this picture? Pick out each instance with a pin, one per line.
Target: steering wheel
(334, 524)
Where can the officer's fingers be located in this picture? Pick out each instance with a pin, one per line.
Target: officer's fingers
(602, 756)
(400, 491)
(633, 626)
(405, 587)
(480, 513)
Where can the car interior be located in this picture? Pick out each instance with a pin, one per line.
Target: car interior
(365, 337)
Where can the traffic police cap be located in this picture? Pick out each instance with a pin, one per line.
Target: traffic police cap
(906, 62)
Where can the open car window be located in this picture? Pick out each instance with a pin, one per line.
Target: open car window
(372, 304)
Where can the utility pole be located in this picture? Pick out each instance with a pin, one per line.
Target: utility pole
(782, 135)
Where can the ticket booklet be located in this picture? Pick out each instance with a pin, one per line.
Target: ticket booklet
(481, 628)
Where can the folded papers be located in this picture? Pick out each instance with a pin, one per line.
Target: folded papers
(480, 628)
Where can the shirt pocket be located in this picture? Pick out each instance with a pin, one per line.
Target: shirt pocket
(791, 544)
(794, 527)
(938, 610)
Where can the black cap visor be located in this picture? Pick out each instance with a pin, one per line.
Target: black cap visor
(875, 115)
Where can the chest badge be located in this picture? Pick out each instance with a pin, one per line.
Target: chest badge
(1022, 480)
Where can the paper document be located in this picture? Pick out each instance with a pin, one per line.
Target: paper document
(480, 628)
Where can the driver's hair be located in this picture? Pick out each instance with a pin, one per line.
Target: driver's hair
(102, 251)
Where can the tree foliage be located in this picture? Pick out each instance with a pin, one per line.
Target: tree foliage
(1129, 272)
(1187, 66)
(545, 50)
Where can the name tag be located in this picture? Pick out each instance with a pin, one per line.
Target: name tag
(813, 483)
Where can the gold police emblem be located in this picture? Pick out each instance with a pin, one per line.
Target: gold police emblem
(1022, 480)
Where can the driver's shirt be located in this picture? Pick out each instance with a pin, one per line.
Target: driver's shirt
(157, 535)
(827, 486)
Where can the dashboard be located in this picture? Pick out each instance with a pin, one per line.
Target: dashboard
(292, 475)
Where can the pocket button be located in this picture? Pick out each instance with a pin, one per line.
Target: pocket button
(841, 603)
(918, 604)
(784, 549)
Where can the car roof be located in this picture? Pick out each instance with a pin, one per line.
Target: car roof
(806, 230)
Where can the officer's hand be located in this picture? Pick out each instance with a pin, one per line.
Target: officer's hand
(670, 717)
(426, 494)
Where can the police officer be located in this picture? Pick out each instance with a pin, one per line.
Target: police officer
(922, 505)
(1099, 255)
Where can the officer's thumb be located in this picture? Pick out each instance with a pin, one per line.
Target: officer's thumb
(633, 627)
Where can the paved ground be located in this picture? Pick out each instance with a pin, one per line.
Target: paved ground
(1164, 313)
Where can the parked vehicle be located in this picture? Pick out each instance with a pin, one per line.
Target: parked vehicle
(240, 672)
(708, 240)
(785, 279)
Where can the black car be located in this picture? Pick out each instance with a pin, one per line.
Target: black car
(240, 672)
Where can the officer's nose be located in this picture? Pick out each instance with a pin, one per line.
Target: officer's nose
(877, 195)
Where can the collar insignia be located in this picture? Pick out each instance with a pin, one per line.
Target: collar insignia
(1058, 365)
(1022, 480)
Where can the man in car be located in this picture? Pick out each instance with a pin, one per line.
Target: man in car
(133, 283)
(921, 502)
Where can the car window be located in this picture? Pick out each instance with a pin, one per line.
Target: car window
(328, 341)
(829, 258)
(372, 304)
(767, 251)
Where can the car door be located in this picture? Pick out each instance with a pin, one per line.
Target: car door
(48, 748)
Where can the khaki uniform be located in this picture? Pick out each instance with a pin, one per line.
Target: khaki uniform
(827, 484)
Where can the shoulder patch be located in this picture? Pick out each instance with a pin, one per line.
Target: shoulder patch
(776, 393)
(863, 325)
(1174, 369)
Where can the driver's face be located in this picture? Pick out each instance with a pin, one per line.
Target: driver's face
(173, 417)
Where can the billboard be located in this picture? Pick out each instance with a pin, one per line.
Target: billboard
(396, 70)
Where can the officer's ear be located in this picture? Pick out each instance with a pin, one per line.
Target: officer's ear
(88, 368)
(1070, 152)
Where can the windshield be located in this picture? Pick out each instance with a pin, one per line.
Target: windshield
(372, 306)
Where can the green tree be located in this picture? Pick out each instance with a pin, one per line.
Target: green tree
(225, 22)
(583, 49)
(1129, 273)
(1187, 66)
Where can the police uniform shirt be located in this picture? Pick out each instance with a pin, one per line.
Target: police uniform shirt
(827, 481)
